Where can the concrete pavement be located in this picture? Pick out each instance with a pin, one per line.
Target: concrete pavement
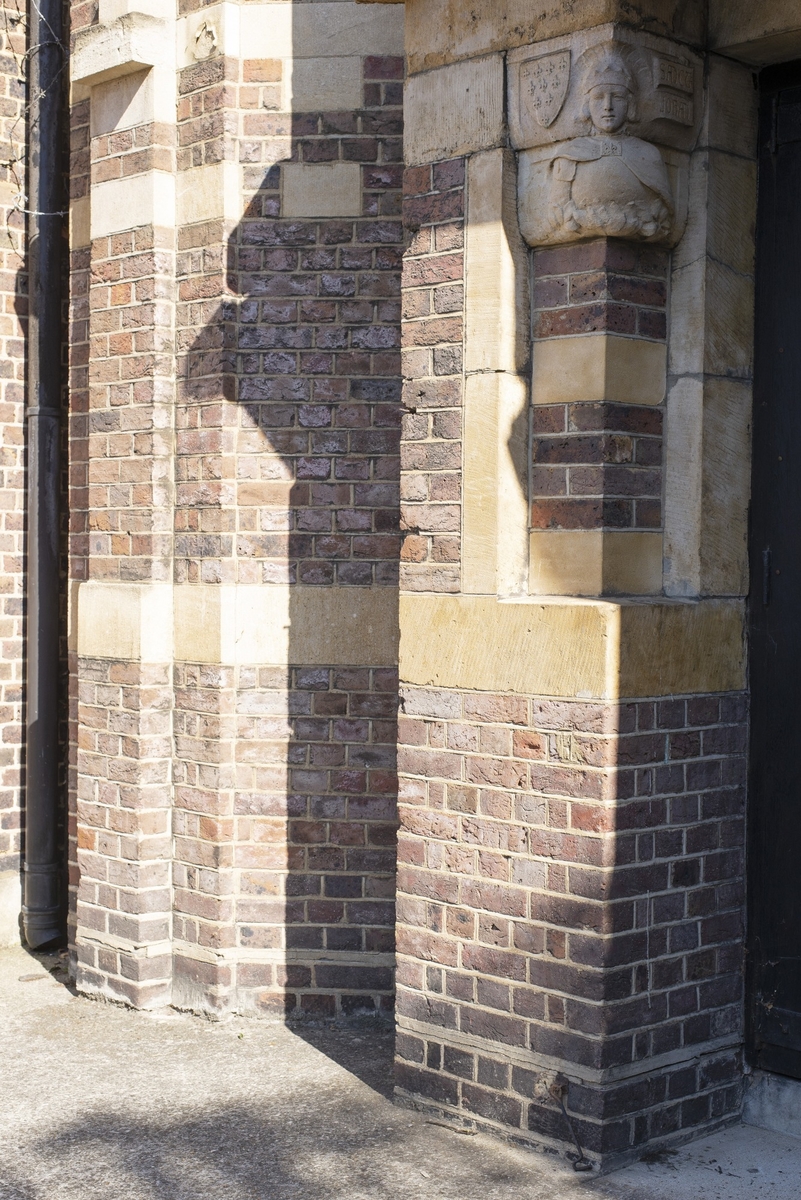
(100, 1103)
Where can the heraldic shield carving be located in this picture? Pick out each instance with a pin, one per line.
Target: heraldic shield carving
(602, 122)
(543, 85)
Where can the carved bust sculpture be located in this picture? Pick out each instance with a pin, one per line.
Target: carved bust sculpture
(607, 183)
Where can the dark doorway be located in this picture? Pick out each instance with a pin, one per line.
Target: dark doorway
(775, 597)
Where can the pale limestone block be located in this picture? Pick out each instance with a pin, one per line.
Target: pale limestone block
(726, 487)
(112, 10)
(559, 196)
(324, 84)
(683, 468)
(595, 563)
(598, 367)
(589, 170)
(319, 30)
(118, 204)
(276, 625)
(322, 30)
(131, 622)
(756, 31)
(632, 563)
(480, 485)
(122, 103)
(197, 635)
(566, 562)
(441, 31)
(513, 466)
(497, 317)
(732, 211)
(10, 908)
(80, 217)
(454, 110)
(671, 648)
(729, 348)
(686, 336)
(130, 44)
(542, 648)
(592, 649)
(321, 189)
(693, 240)
(732, 108)
(209, 192)
(494, 505)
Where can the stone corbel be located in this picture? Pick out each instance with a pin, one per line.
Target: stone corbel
(604, 121)
(130, 41)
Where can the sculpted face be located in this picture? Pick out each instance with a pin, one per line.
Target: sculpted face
(608, 106)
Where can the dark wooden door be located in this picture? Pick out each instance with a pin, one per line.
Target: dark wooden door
(775, 597)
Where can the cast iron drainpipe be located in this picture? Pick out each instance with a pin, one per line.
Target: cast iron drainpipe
(43, 907)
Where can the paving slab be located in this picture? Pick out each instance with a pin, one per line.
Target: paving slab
(101, 1103)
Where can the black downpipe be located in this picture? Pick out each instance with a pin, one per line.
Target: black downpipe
(43, 907)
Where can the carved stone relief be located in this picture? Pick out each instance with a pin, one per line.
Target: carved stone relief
(603, 121)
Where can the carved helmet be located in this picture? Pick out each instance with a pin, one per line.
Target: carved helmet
(606, 66)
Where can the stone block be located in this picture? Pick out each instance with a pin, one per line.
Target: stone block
(732, 211)
(324, 84)
(321, 30)
(496, 268)
(755, 33)
(732, 108)
(277, 625)
(667, 79)
(321, 189)
(439, 31)
(122, 103)
(494, 550)
(207, 193)
(80, 223)
(726, 487)
(132, 43)
(139, 200)
(682, 496)
(112, 10)
(595, 563)
(454, 110)
(599, 367)
(125, 621)
(628, 648)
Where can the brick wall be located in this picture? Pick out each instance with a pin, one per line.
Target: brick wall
(571, 908)
(318, 385)
(274, 342)
(433, 332)
(13, 285)
(596, 465)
